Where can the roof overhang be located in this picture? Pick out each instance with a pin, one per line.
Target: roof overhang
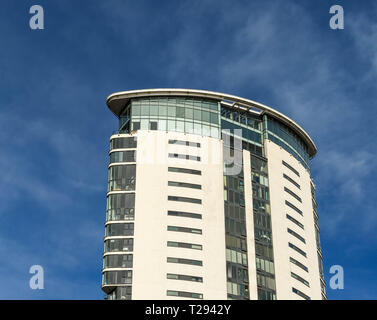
(117, 101)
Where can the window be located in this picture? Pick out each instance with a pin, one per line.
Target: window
(214, 118)
(180, 112)
(295, 234)
(173, 276)
(121, 206)
(152, 125)
(116, 245)
(236, 257)
(117, 277)
(237, 273)
(265, 265)
(297, 249)
(264, 251)
(189, 114)
(302, 280)
(185, 245)
(293, 207)
(184, 294)
(263, 236)
(119, 229)
(123, 143)
(123, 156)
(299, 264)
(185, 143)
(120, 293)
(122, 177)
(301, 294)
(291, 168)
(185, 261)
(266, 281)
(291, 181)
(292, 194)
(184, 156)
(295, 221)
(184, 229)
(135, 125)
(184, 185)
(184, 170)
(184, 214)
(184, 199)
(264, 294)
(118, 261)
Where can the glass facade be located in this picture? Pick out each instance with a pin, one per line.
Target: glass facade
(119, 241)
(262, 229)
(318, 242)
(286, 138)
(120, 206)
(235, 230)
(188, 115)
(122, 178)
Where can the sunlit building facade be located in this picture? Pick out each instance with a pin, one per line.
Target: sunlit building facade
(209, 197)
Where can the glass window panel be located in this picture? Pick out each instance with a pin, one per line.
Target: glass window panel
(205, 116)
(180, 126)
(189, 113)
(206, 130)
(144, 110)
(180, 112)
(214, 132)
(214, 106)
(153, 125)
(172, 111)
(161, 124)
(214, 118)
(135, 125)
(162, 111)
(144, 124)
(197, 115)
(153, 110)
(189, 127)
(171, 125)
(135, 110)
(197, 128)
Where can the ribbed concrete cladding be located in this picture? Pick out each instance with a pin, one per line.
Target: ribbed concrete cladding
(240, 228)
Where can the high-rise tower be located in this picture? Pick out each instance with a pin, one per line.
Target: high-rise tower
(209, 197)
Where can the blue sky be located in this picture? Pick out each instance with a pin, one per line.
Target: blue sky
(55, 124)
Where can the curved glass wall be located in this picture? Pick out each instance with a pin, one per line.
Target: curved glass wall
(235, 225)
(123, 143)
(117, 245)
(118, 261)
(117, 277)
(122, 178)
(286, 138)
(119, 229)
(188, 115)
(120, 206)
(262, 229)
(123, 156)
(120, 293)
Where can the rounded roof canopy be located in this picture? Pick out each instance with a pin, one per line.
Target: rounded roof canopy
(118, 100)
